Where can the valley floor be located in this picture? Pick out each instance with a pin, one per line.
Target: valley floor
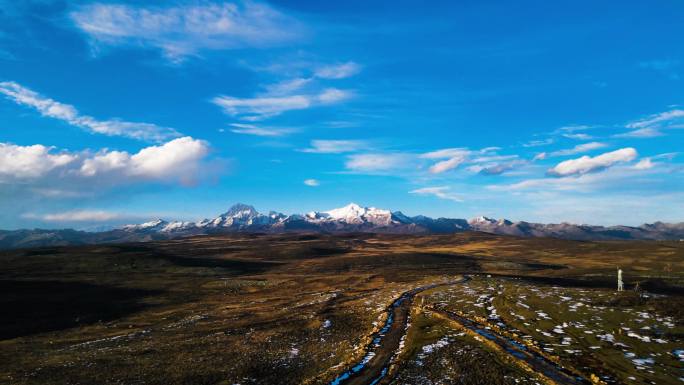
(301, 309)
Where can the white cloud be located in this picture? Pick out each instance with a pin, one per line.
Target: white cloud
(485, 161)
(538, 143)
(26, 162)
(588, 164)
(339, 71)
(497, 168)
(76, 216)
(540, 156)
(311, 182)
(181, 31)
(68, 113)
(378, 162)
(335, 146)
(644, 164)
(574, 128)
(441, 192)
(446, 153)
(493, 158)
(447, 165)
(105, 162)
(259, 108)
(647, 132)
(580, 183)
(250, 129)
(578, 149)
(179, 159)
(657, 119)
(287, 87)
(333, 95)
(578, 136)
(454, 157)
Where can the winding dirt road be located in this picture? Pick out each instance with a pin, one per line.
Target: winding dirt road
(373, 368)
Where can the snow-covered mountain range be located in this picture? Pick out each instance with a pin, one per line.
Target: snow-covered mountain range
(355, 218)
(350, 218)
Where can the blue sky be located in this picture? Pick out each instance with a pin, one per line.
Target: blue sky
(116, 112)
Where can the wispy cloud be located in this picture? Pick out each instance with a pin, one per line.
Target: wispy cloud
(378, 162)
(656, 119)
(647, 132)
(181, 31)
(573, 128)
(311, 182)
(447, 165)
(321, 146)
(259, 108)
(578, 149)
(338, 71)
(76, 216)
(538, 143)
(588, 164)
(497, 168)
(69, 114)
(453, 157)
(250, 129)
(666, 67)
(644, 164)
(441, 192)
(578, 136)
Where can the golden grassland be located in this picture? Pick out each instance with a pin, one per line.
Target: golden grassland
(281, 309)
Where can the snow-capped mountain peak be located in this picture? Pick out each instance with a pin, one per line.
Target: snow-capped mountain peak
(350, 211)
(240, 210)
(481, 220)
(151, 225)
(354, 218)
(355, 214)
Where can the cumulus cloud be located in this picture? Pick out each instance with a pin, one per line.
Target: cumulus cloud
(259, 108)
(179, 159)
(27, 162)
(69, 114)
(335, 146)
(250, 129)
(338, 71)
(588, 164)
(181, 31)
(311, 182)
(442, 192)
(578, 149)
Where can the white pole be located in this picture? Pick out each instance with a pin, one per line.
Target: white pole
(620, 285)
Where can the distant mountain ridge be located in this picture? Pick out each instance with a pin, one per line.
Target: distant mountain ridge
(351, 218)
